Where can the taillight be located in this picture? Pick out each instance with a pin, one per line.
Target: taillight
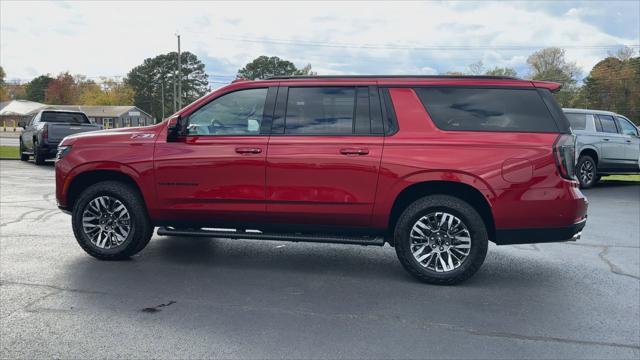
(564, 151)
(45, 131)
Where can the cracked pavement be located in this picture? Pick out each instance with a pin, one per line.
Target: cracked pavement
(195, 298)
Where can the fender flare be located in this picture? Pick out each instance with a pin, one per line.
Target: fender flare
(121, 168)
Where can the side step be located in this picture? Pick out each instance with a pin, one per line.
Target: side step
(257, 235)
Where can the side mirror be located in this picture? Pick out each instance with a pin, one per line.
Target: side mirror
(22, 124)
(175, 128)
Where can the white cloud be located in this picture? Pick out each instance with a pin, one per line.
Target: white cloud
(109, 38)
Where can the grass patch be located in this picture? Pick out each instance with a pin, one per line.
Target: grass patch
(9, 152)
(621, 178)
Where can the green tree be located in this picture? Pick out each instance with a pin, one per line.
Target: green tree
(37, 88)
(477, 68)
(109, 92)
(157, 75)
(614, 85)
(63, 90)
(4, 96)
(263, 66)
(502, 71)
(550, 64)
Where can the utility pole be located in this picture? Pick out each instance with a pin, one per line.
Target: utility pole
(174, 92)
(162, 95)
(179, 76)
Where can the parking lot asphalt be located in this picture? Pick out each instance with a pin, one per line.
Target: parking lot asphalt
(197, 298)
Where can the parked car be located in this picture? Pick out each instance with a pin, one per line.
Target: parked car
(607, 143)
(46, 129)
(434, 166)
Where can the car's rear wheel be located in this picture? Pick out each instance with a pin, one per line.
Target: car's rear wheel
(23, 156)
(38, 156)
(587, 172)
(441, 240)
(110, 221)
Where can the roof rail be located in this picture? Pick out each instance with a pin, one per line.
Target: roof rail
(391, 77)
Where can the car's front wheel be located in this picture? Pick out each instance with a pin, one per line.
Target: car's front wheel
(441, 240)
(110, 221)
(587, 172)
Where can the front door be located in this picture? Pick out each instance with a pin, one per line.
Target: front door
(217, 173)
(612, 144)
(632, 142)
(324, 156)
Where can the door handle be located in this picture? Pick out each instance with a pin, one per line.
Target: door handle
(354, 151)
(248, 150)
(606, 139)
(628, 141)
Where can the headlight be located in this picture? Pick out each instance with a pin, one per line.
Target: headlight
(62, 151)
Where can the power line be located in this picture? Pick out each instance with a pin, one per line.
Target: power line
(408, 47)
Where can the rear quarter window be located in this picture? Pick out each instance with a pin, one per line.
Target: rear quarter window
(577, 121)
(481, 109)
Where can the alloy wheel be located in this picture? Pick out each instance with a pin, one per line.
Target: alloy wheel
(106, 222)
(587, 172)
(440, 241)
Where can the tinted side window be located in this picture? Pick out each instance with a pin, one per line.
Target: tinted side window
(608, 124)
(320, 111)
(475, 109)
(236, 113)
(577, 121)
(626, 127)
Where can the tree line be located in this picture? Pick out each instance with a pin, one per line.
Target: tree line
(612, 84)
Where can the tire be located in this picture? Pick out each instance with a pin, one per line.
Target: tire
(587, 172)
(23, 156)
(38, 157)
(139, 231)
(427, 208)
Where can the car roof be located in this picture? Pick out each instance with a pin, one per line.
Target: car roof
(589, 111)
(402, 80)
(63, 111)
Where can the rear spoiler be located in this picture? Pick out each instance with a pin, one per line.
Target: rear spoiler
(549, 85)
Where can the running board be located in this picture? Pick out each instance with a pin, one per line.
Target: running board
(257, 235)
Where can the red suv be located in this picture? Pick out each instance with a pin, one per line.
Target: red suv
(434, 166)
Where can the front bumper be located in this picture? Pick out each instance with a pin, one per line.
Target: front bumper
(540, 235)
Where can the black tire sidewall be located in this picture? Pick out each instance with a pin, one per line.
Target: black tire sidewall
(37, 155)
(456, 207)
(594, 179)
(23, 157)
(141, 229)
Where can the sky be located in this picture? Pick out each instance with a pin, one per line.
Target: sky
(109, 38)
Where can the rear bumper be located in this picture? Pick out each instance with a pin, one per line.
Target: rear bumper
(540, 235)
(49, 149)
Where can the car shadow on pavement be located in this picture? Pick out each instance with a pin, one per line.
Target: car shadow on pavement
(223, 262)
(615, 183)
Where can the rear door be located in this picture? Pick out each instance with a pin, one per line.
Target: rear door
(324, 155)
(612, 145)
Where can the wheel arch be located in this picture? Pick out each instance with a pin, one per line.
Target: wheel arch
(106, 172)
(590, 151)
(460, 190)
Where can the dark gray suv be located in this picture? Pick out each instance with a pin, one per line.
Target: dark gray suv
(606, 143)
